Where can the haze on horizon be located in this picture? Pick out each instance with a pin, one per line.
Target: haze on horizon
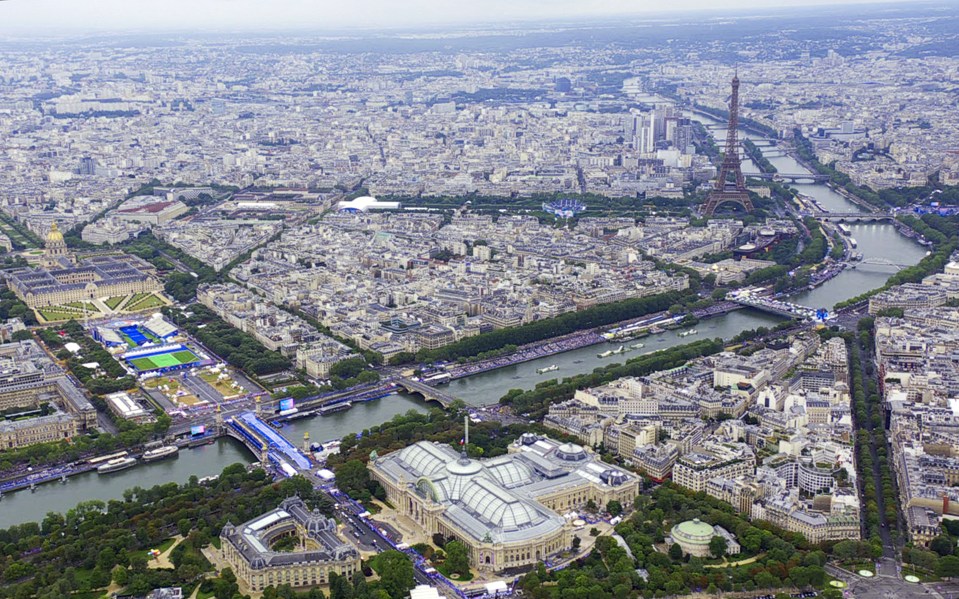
(20, 17)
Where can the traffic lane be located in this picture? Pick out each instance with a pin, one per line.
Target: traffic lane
(161, 400)
(947, 589)
(361, 533)
(105, 424)
(245, 382)
(370, 536)
(202, 389)
(207, 418)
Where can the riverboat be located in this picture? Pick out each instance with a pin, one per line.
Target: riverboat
(117, 464)
(160, 453)
(332, 409)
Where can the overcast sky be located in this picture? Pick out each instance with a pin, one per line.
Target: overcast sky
(26, 16)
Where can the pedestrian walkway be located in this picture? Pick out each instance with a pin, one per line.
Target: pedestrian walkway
(412, 532)
(162, 561)
(741, 562)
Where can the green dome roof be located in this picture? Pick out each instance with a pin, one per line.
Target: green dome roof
(695, 529)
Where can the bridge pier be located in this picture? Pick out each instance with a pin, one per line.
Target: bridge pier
(779, 308)
(429, 393)
(854, 217)
(266, 443)
(883, 262)
(790, 177)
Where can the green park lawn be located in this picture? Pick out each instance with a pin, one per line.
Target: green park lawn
(144, 302)
(68, 311)
(88, 306)
(113, 302)
(459, 578)
(161, 548)
(222, 387)
(56, 315)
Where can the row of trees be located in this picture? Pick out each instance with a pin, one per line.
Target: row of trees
(487, 439)
(943, 232)
(352, 372)
(756, 155)
(97, 542)
(20, 236)
(233, 345)
(884, 198)
(782, 560)
(535, 402)
(61, 452)
(870, 438)
(705, 144)
(570, 322)
(181, 286)
(107, 377)
(816, 246)
(12, 307)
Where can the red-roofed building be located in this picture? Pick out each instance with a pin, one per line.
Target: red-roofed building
(155, 213)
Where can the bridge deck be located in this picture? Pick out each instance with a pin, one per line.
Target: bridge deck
(854, 215)
(776, 307)
(428, 392)
(793, 176)
(274, 440)
(883, 262)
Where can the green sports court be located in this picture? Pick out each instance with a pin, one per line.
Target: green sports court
(160, 361)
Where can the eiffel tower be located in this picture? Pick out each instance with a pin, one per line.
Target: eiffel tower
(726, 191)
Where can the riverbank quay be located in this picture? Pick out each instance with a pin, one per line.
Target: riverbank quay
(46, 475)
(529, 352)
(35, 476)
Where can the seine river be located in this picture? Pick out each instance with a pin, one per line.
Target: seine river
(875, 241)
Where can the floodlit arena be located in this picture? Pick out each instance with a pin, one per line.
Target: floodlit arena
(506, 509)
(135, 333)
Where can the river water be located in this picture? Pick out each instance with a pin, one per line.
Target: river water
(875, 241)
(24, 506)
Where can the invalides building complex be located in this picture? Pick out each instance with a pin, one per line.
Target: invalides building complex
(62, 278)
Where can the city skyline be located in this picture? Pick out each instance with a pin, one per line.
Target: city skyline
(608, 303)
(23, 18)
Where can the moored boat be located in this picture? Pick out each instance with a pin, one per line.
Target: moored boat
(160, 453)
(115, 465)
(331, 409)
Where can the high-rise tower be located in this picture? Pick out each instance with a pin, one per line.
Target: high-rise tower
(726, 191)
